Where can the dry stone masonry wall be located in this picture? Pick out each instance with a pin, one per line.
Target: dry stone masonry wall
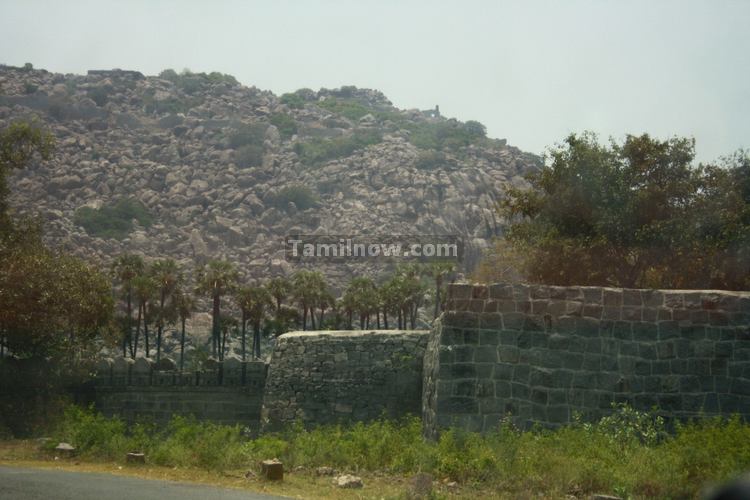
(328, 377)
(542, 353)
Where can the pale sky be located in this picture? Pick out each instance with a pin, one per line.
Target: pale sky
(531, 71)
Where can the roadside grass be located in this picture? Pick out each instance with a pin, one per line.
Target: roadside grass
(628, 454)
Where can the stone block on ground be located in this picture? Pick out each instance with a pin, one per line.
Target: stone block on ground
(135, 458)
(273, 470)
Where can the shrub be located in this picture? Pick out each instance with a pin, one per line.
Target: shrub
(186, 442)
(92, 434)
(348, 108)
(294, 100)
(190, 82)
(320, 150)
(302, 196)
(285, 123)
(446, 134)
(247, 134)
(114, 221)
(100, 95)
(30, 88)
(250, 155)
(433, 160)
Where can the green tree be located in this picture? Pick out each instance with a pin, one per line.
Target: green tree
(253, 302)
(124, 269)
(362, 295)
(636, 214)
(437, 271)
(307, 287)
(20, 143)
(280, 288)
(185, 306)
(168, 277)
(144, 292)
(215, 280)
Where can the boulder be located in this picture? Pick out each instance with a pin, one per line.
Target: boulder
(348, 481)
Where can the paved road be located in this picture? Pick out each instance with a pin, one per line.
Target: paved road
(37, 484)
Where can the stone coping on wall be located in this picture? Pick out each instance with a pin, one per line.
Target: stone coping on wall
(310, 334)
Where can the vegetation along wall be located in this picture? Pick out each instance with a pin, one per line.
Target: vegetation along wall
(542, 353)
(344, 376)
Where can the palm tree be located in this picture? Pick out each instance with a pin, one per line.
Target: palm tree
(185, 305)
(325, 300)
(144, 291)
(166, 274)
(279, 288)
(363, 297)
(438, 270)
(125, 268)
(306, 288)
(261, 302)
(216, 279)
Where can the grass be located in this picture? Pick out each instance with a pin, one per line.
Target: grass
(628, 454)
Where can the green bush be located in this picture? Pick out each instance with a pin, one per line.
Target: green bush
(250, 155)
(302, 196)
(294, 100)
(433, 160)
(30, 88)
(348, 108)
(450, 134)
(190, 82)
(247, 134)
(114, 221)
(626, 454)
(320, 150)
(285, 123)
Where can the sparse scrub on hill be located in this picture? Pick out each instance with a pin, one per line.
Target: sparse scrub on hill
(190, 82)
(302, 196)
(319, 150)
(451, 134)
(250, 155)
(628, 453)
(285, 123)
(113, 221)
(247, 133)
(295, 100)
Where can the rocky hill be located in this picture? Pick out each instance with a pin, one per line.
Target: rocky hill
(197, 166)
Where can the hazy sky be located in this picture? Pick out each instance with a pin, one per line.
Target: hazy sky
(532, 72)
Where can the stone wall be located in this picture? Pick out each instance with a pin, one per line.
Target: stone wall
(225, 393)
(328, 377)
(541, 353)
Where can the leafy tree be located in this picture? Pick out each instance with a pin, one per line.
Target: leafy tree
(20, 143)
(215, 280)
(636, 214)
(53, 305)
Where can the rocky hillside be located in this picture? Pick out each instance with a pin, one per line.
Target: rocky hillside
(197, 166)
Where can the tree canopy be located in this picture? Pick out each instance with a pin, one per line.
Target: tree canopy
(634, 214)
